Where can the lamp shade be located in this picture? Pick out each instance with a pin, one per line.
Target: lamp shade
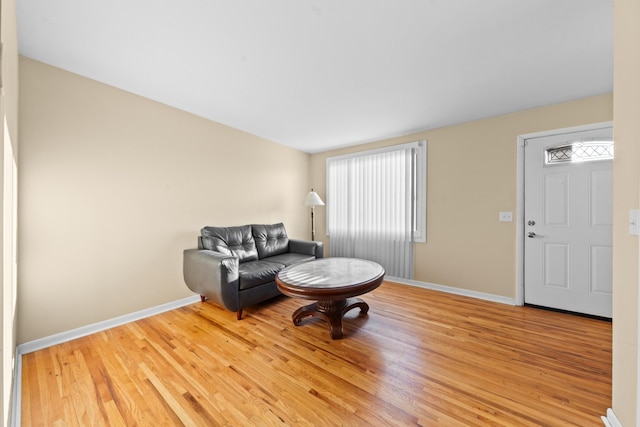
(313, 199)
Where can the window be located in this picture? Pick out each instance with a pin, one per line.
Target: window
(376, 205)
(580, 152)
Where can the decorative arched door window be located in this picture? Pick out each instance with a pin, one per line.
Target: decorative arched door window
(581, 151)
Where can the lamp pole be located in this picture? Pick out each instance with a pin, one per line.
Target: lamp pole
(313, 200)
(313, 224)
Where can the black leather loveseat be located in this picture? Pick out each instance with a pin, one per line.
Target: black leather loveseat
(236, 266)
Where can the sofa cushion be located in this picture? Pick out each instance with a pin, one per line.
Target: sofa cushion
(235, 241)
(271, 239)
(290, 258)
(257, 273)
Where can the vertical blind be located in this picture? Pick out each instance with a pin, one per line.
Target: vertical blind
(372, 206)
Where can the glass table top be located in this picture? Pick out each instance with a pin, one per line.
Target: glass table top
(331, 273)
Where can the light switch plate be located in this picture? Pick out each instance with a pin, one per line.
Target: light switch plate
(634, 222)
(506, 216)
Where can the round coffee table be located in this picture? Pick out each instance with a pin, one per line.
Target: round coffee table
(332, 282)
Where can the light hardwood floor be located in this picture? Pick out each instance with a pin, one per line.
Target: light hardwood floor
(420, 357)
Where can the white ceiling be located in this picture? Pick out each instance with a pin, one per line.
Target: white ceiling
(322, 74)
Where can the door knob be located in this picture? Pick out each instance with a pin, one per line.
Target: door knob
(531, 234)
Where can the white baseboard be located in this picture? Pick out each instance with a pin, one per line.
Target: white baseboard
(456, 291)
(15, 417)
(83, 331)
(611, 420)
(31, 346)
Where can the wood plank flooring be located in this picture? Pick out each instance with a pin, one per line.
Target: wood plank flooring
(420, 357)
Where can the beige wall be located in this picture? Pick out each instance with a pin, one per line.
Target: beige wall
(626, 194)
(8, 154)
(93, 200)
(471, 178)
(114, 186)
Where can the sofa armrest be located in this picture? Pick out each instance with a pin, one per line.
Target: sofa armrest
(213, 275)
(306, 247)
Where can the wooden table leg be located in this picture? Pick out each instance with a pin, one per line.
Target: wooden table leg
(331, 311)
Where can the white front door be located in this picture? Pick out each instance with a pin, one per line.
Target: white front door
(568, 222)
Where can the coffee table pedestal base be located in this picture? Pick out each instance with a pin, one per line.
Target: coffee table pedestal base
(332, 311)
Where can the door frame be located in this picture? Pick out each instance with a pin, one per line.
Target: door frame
(520, 141)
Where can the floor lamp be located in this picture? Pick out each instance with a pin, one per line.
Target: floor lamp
(313, 200)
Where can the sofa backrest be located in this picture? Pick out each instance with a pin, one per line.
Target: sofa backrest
(236, 241)
(271, 239)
